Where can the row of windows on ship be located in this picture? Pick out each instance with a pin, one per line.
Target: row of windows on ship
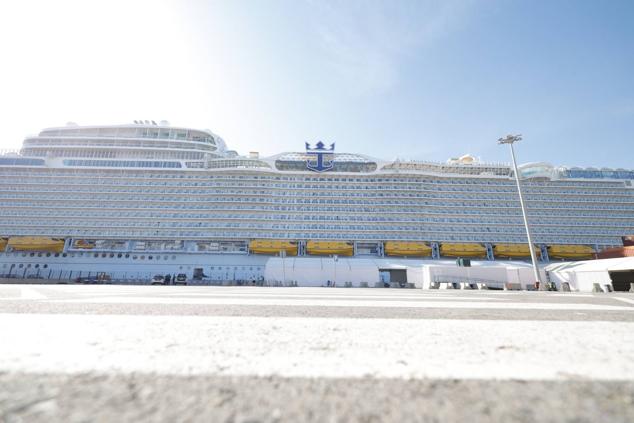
(130, 132)
(478, 199)
(153, 155)
(118, 201)
(547, 234)
(56, 142)
(45, 209)
(108, 255)
(493, 219)
(307, 190)
(206, 177)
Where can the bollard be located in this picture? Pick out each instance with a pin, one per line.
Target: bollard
(596, 287)
(608, 288)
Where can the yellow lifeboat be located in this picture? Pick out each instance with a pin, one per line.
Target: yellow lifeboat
(272, 247)
(578, 252)
(513, 250)
(462, 250)
(32, 243)
(407, 249)
(84, 244)
(3, 243)
(326, 248)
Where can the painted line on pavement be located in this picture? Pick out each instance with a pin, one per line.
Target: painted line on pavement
(346, 303)
(625, 300)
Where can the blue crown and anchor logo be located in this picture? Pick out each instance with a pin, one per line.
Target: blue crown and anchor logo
(320, 158)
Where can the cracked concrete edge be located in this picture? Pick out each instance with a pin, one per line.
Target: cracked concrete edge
(163, 398)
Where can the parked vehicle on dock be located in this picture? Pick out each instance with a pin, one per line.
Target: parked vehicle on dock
(97, 279)
(158, 280)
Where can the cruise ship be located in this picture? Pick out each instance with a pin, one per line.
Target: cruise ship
(135, 200)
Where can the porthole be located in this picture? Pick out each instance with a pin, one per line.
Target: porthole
(127, 256)
(37, 266)
(149, 257)
(96, 255)
(20, 265)
(45, 266)
(28, 266)
(32, 254)
(111, 255)
(134, 257)
(142, 257)
(64, 254)
(23, 254)
(103, 255)
(119, 255)
(56, 254)
(39, 254)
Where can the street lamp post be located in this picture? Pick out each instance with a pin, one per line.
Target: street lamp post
(283, 255)
(510, 139)
(335, 259)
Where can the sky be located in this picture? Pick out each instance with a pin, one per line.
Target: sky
(423, 80)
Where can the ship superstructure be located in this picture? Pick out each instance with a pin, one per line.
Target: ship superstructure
(146, 197)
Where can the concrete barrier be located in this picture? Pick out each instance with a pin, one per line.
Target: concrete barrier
(597, 287)
(512, 286)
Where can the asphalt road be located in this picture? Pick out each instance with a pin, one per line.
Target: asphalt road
(249, 354)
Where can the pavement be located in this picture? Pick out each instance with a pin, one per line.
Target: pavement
(78, 353)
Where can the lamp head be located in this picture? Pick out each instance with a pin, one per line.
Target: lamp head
(510, 139)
